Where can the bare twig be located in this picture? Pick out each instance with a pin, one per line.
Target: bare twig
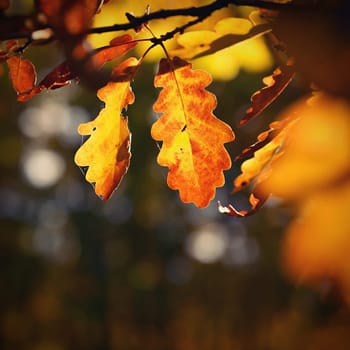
(134, 22)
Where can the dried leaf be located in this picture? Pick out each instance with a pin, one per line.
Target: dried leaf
(267, 149)
(316, 151)
(63, 74)
(227, 32)
(22, 74)
(192, 136)
(257, 169)
(107, 151)
(263, 139)
(276, 84)
(118, 47)
(256, 201)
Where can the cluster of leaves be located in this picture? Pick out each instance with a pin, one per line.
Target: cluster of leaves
(192, 136)
(314, 175)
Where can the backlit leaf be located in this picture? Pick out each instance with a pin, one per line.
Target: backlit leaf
(192, 136)
(276, 84)
(107, 151)
(63, 74)
(256, 201)
(118, 47)
(227, 32)
(257, 169)
(317, 150)
(264, 138)
(22, 74)
(266, 149)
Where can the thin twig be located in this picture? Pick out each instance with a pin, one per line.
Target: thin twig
(200, 13)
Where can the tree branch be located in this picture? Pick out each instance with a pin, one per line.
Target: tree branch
(200, 13)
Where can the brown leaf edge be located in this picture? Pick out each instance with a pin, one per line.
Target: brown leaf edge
(263, 139)
(63, 74)
(256, 201)
(258, 197)
(276, 83)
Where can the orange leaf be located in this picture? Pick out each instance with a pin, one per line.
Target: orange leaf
(257, 169)
(263, 139)
(316, 151)
(22, 74)
(63, 74)
(256, 201)
(192, 136)
(276, 84)
(118, 47)
(265, 150)
(107, 151)
(227, 32)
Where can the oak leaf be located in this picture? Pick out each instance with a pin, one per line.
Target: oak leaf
(313, 174)
(276, 84)
(63, 74)
(257, 169)
(22, 74)
(107, 151)
(227, 32)
(256, 201)
(262, 153)
(192, 136)
(317, 148)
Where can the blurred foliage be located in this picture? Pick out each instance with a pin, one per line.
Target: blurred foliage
(77, 273)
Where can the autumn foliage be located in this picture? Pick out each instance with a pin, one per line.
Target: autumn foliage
(192, 136)
(302, 156)
(107, 151)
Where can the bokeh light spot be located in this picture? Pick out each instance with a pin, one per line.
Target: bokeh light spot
(42, 168)
(208, 244)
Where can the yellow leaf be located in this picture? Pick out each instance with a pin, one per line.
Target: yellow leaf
(257, 169)
(107, 151)
(317, 150)
(266, 150)
(317, 243)
(192, 136)
(114, 12)
(226, 49)
(227, 32)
